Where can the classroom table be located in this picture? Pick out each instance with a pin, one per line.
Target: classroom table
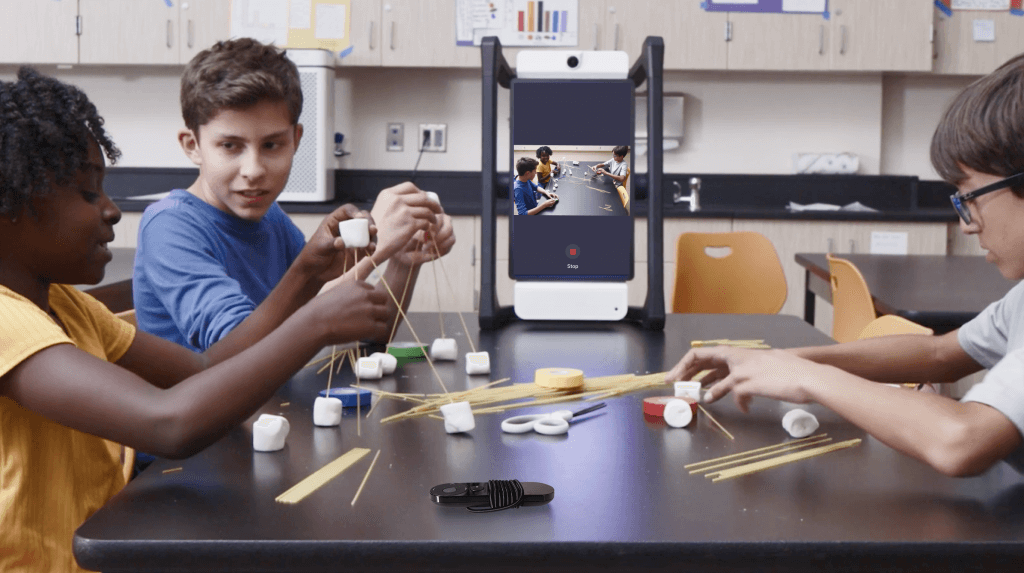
(583, 192)
(623, 499)
(115, 290)
(941, 292)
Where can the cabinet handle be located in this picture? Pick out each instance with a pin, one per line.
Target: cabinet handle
(170, 31)
(829, 249)
(392, 35)
(371, 35)
(853, 246)
(191, 33)
(821, 40)
(728, 31)
(842, 39)
(595, 36)
(616, 44)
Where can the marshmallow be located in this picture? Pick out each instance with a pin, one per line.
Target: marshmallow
(799, 423)
(688, 389)
(269, 433)
(355, 233)
(478, 363)
(678, 413)
(458, 417)
(326, 411)
(433, 197)
(388, 362)
(444, 349)
(370, 368)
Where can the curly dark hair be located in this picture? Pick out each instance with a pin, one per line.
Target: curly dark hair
(45, 130)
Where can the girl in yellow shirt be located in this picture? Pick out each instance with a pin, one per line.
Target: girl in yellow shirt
(73, 376)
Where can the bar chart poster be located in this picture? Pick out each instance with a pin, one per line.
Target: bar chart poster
(537, 23)
(767, 6)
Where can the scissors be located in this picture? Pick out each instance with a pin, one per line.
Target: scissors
(550, 424)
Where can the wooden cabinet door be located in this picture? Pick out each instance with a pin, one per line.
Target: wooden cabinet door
(694, 38)
(448, 282)
(39, 32)
(956, 51)
(128, 32)
(367, 34)
(591, 35)
(202, 23)
(881, 35)
(422, 34)
(778, 41)
(922, 238)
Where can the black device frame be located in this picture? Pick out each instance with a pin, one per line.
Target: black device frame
(497, 72)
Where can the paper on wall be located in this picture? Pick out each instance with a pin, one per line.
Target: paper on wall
(301, 14)
(980, 5)
(888, 243)
(815, 6)
(330, 21)
(984, 31)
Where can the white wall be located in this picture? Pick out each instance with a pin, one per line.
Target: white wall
(735, 122)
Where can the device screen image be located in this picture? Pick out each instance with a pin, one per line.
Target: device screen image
(572, 158)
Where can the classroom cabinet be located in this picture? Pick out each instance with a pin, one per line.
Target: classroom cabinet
(957, 52)
(422, 34)
(39, 32)
(694, 38)
(859, 35)
(133, 32)
(367, 37)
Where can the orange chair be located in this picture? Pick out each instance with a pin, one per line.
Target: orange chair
(890, 324)
(852, 306)
(748, 279)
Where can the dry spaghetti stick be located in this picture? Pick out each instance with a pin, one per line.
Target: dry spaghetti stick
(739, 461)
(366, 477)
(172, 470)
(404, 292)
(407, 323)
(758, 450)
(320, 477)
(437, 290)
(781, 460)
(448, 281)
(330, 372)
(715, 422)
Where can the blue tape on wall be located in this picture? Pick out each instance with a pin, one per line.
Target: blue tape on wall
(345, 52)
(945, 9)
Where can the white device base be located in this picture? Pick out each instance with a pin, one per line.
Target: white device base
(571, 300)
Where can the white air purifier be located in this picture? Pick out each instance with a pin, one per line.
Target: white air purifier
(312, 176)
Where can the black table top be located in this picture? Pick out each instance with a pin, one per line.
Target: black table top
(623, 500)
(582, 193)
(924, 288)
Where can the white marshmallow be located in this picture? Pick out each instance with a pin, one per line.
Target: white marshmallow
(458, 417)
(355, 233)
(444, 349)
(388, 362)
(678, 413)
(269, 433)
(688, 389)
(370, 368)
(326, 411)
(478, 363)
(799, 423)
(433, 197)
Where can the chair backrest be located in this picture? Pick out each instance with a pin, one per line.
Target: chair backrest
(747, 279)
(852, 306)
(889, 324)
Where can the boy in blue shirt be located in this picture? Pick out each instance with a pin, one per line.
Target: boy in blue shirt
(525, 190)
(221, 256)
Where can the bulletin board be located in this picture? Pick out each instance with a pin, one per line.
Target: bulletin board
(312, 24)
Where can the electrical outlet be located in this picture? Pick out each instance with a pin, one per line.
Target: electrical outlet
(433, 137)
(396, 137)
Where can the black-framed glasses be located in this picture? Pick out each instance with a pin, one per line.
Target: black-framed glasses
(960, 201)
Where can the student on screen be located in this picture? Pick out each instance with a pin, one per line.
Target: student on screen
(525, 190)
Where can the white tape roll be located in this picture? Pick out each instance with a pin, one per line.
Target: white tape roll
(355, 233)
(559, 378)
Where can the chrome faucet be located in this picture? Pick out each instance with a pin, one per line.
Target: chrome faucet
(693, 199)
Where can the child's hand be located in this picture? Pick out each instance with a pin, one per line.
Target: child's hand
(325, 256)
(421, 249)
(747, 373)
(400, 212)
(353, 310)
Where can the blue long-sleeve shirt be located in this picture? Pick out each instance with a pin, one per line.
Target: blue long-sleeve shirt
(199, 272)
(525, 196)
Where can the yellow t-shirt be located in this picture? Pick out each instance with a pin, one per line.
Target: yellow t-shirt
(543, 172)
(52, 478)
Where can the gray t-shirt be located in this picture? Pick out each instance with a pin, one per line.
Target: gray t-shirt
(995, 338)
(616, 168)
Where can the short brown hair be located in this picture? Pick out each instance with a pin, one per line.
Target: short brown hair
(983, 129)
(621, 150)
(526, 165)
(237, 74)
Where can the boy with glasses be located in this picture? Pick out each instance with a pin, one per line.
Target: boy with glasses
(979, 147)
